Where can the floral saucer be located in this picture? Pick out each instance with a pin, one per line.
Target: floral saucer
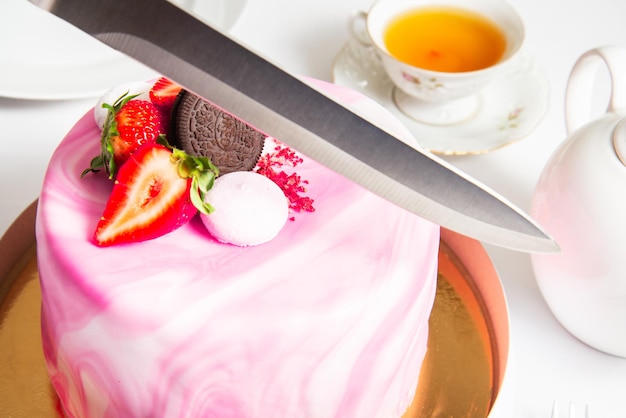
(511, 106)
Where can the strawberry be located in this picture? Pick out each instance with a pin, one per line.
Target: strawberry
(164, 92)
(156, 191)
(129, 125)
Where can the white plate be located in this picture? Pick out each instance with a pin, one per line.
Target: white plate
(43, 57)
(511, 106)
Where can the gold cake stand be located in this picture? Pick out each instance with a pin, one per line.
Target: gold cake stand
(461, 375)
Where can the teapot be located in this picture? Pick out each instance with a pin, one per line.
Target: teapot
(580, 199)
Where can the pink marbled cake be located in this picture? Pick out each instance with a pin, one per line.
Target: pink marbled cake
(329, 319)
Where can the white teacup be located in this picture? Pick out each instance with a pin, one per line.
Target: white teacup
(438, 96)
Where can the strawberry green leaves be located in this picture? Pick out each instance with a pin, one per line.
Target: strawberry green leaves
(201, 171)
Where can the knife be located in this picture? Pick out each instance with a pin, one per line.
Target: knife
(223, 71)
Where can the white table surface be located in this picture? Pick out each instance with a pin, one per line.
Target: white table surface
(304, 37)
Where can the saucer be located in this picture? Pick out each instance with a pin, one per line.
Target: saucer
(511, 106)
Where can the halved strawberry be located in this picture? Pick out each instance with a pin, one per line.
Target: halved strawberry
(156, 191)
(129, 125)
(163, 93)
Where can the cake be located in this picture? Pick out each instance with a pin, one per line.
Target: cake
(329, 318)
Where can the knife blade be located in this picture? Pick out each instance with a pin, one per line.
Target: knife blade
(233, 77)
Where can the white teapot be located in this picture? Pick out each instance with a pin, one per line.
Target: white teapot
(581, 200)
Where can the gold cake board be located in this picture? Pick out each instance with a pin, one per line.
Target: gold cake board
(461, 375)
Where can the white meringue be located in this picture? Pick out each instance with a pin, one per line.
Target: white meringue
(250, 209)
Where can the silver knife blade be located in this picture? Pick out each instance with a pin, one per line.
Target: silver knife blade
(231, 76)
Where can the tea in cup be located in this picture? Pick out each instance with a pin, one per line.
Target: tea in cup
(439, 54)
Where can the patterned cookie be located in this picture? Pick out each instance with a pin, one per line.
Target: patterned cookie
(203, 130)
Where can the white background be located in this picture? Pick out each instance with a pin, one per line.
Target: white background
(304, 37)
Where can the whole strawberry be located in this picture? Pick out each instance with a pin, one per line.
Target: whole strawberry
(156, 191)
(164, 93)
(129, 125)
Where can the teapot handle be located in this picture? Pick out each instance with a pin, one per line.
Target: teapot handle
(581, 80)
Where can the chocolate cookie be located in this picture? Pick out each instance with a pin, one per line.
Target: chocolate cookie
(202, 129)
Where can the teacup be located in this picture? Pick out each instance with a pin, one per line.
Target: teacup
(442, 85)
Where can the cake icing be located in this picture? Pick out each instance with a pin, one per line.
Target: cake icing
(328, 319)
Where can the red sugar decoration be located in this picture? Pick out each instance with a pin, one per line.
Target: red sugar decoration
(270, 165)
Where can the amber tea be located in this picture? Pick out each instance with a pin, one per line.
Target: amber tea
(445, 39)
